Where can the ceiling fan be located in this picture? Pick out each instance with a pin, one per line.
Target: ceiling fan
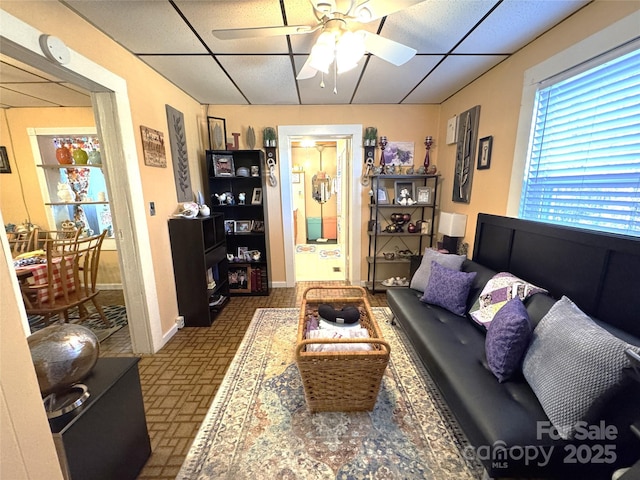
(341, 38)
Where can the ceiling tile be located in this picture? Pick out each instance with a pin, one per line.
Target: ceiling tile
(60, 94)
(263, 80)
(374, 86)
(207, 16)
(141, 26)
(514, 24)
(12, 99)
(198, 75)
(451, 75)
(435, 26)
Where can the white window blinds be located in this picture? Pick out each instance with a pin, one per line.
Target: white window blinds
(583, 165)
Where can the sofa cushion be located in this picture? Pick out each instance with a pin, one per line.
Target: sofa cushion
(448, 288)
(420, 279)
(573, 366)
(507, 339)
(499, 290)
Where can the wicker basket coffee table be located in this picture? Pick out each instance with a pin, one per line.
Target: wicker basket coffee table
(341, 381)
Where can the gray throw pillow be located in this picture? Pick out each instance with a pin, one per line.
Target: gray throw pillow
(420, 279)
(573, 366)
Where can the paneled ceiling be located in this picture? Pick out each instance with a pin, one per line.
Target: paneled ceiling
(456, 42)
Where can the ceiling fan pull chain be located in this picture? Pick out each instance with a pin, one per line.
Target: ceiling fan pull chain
(322, 80)
(335, 78)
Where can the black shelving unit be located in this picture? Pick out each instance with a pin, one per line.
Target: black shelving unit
(200, 266)
(380, 242)
(242, 172)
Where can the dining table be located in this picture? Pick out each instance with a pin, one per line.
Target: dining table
(37, 274)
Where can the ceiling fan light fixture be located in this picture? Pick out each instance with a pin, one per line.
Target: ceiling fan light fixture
(349, 50)
(323, 52)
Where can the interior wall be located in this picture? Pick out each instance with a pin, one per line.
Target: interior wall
(148, 95)
(406, 123)
(498, 93)
(20, 194)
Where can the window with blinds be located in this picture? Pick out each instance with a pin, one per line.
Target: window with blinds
(583, 163)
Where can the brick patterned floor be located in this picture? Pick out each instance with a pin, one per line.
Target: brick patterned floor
(180, 381)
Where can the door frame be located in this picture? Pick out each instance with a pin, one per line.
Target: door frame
(114, 124)
(353, 171)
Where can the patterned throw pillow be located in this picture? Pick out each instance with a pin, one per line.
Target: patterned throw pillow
(573, 366)
(499, 290)
(420, 279)
(507, 339)
(448, 288)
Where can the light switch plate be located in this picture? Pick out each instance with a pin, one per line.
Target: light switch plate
(452, 129)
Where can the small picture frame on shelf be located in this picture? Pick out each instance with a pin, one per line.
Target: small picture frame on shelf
(425, 227)
(243, 226)
(404, 191)
(382, 197)
(230, 227)
(256, 199)
(217, 133)
(223, 165)
(257, 226)
(241, 252)
(424, 195)
(240, 278)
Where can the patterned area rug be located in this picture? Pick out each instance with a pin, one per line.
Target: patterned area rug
(258, 425)
(117, 314)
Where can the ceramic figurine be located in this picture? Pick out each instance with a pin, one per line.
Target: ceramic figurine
(241, 198)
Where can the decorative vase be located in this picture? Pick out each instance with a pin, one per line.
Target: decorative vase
(80, 157)
(95, 158)
(63, 155)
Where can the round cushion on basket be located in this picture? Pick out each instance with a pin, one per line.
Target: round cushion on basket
(346, 315)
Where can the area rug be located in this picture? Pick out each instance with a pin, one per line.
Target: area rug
(258, 425)
(116, 314)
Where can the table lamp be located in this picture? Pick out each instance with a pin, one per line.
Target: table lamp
(452, 226)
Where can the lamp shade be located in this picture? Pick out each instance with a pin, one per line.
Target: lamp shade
(452, 224)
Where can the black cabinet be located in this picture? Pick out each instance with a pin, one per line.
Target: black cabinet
(235, 188)
(392, 238)
(200, 267)
(107, 436)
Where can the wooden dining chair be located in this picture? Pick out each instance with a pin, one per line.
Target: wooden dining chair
(23, 241)
(43, 236)
(68, 280)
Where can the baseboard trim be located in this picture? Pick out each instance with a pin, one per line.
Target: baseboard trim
(109, 286)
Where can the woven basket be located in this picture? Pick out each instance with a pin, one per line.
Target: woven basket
(341, 381)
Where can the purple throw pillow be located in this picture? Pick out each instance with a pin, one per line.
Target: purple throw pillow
(448, 288)
(507, 339)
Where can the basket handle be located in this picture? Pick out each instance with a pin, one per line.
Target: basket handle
(361, 291)
(374, 341)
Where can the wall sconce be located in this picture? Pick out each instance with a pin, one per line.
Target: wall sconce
(452, 226)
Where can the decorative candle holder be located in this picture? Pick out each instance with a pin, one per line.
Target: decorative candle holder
(383, 144)
(428, 168)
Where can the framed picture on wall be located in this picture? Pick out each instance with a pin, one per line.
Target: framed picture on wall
(4, 161)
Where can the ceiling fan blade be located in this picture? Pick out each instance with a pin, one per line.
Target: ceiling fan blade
(370, 10)
(237, 33)
(392, 52)
(307, 71)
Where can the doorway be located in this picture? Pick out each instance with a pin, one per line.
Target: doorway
(113, 120)
(304, 254)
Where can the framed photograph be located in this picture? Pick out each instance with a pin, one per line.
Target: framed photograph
(240, 278)
(257, 226)
(382, 197)
(243, 226)
(256, 199)
(399, 153)
(242, 251)
(223, 166)
(153, 147)
(484, 153)
(425, 227)
(424, 195)
(4, 161)
(229, 227)
(404, 190)
(217, 133)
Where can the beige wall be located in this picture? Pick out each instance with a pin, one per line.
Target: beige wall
(20, 193)
(498, 93)
(409, 123)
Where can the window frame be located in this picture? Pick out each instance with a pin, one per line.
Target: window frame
(620, 35)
